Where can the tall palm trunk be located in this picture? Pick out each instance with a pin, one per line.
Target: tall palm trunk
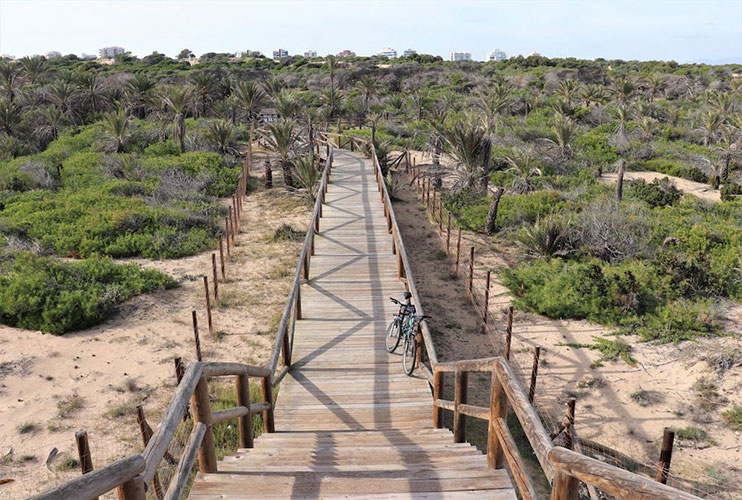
(288, 179)
(619, 180)
(491, 224)
(485, 176)
(179, 132)
(268, 174)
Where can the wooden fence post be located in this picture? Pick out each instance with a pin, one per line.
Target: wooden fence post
(146, 432)
(458, 252)
(298, 302)
(471, 271)
(208, 305)
(216, 277)
(534, 373)
(226, 235)
(420, 346)
(564, 487)
(448, 235)
(202, 413)
(437, 390)
(663, 466)
(234, 226)
(267, 394)
(179, 372)
(133, 489)
(498, 409)
(195, 334)
(569, 430)
(440, 215)
(509, 332)
(459, 419)
(83, 452)
(243, 399)
(221, 257)
(485, 306)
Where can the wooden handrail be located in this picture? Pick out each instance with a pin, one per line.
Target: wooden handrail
(98, 482)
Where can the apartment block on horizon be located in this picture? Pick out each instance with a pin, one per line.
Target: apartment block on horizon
(461, 56)
(409, 52)
(388, 53)
(497, 55)
(280, 54)
(52, 54)
(346, 53)
(310, 54)
(110, 52)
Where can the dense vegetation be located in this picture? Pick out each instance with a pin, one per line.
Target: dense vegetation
(129, 159)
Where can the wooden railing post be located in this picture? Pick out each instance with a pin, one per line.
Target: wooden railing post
(245, 421)
(458, 252)
(221, 257)
(208, 305)
(448, 235)
(194, 318)
(420, 346)
(564, 487)
(508, 332)
(498, 409)
(459, 419)
(202, 413)
(485, 306)
(298, 302)
(133, 489)
(569, 430)
(437, 390)
(534, 373)
(470, 286)
(663, 466)
(216, 279)
(267, 393)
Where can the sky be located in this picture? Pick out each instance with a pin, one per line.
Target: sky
(680, 30)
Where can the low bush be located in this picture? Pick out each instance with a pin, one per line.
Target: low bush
(471, 209)
(55, 297)
(658, 193)
(731, 192)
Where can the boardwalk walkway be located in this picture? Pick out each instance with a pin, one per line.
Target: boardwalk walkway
(349, 423)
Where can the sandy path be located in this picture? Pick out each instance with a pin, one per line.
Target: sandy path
(129, 359)
(606, 411)
(698, 189)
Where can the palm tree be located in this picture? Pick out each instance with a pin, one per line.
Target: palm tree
(62, 93)
(469, 144)
(250, 98)
(723, 101)
(52, 119)
(178, 99)
(33, 67)
(624, 89)
(11, 116)
(729, 150)
(523, 167)
(657, 85)
(203, 84)
(285, 103)
(711, 122)
(623, 117)
(368, 85)
(92, 90)
(306, 175)
(493, 102)
(565, 132)
(139, 90)
(567, 89)
(332, 63)
(220, 133)
(281, 140)
(273, 86)
(419, 100)
(115, 124)
(647, 126)
(592, 95)
(8, 76)
(562, 109)
(490, 224)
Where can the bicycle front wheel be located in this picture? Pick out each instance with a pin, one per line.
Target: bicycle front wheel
(410, 354)
(391, 339)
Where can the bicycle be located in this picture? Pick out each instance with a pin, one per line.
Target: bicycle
(393, 331)
(409, 354)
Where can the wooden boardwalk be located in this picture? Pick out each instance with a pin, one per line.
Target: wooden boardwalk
(349, 423)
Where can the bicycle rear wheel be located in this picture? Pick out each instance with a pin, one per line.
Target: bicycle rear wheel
(409, 357)
(391, 339)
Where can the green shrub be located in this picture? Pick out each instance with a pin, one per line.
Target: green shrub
(669, 167)
(658, 193)
(733, 417)
(731, 192)
(471, 209)
(55, 297)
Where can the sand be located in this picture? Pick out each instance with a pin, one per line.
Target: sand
(128, 360)
(697, 189)
(664, 375)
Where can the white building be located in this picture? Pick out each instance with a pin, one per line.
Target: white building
(409, 52)
(346, 53)
(52, 54)
(87, 57)
(461, 56)
(310, 54)
(497, 55)
(388, 53)
(110, 52)
(280, 53)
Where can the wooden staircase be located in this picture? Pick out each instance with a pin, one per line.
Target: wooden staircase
(349, 423)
